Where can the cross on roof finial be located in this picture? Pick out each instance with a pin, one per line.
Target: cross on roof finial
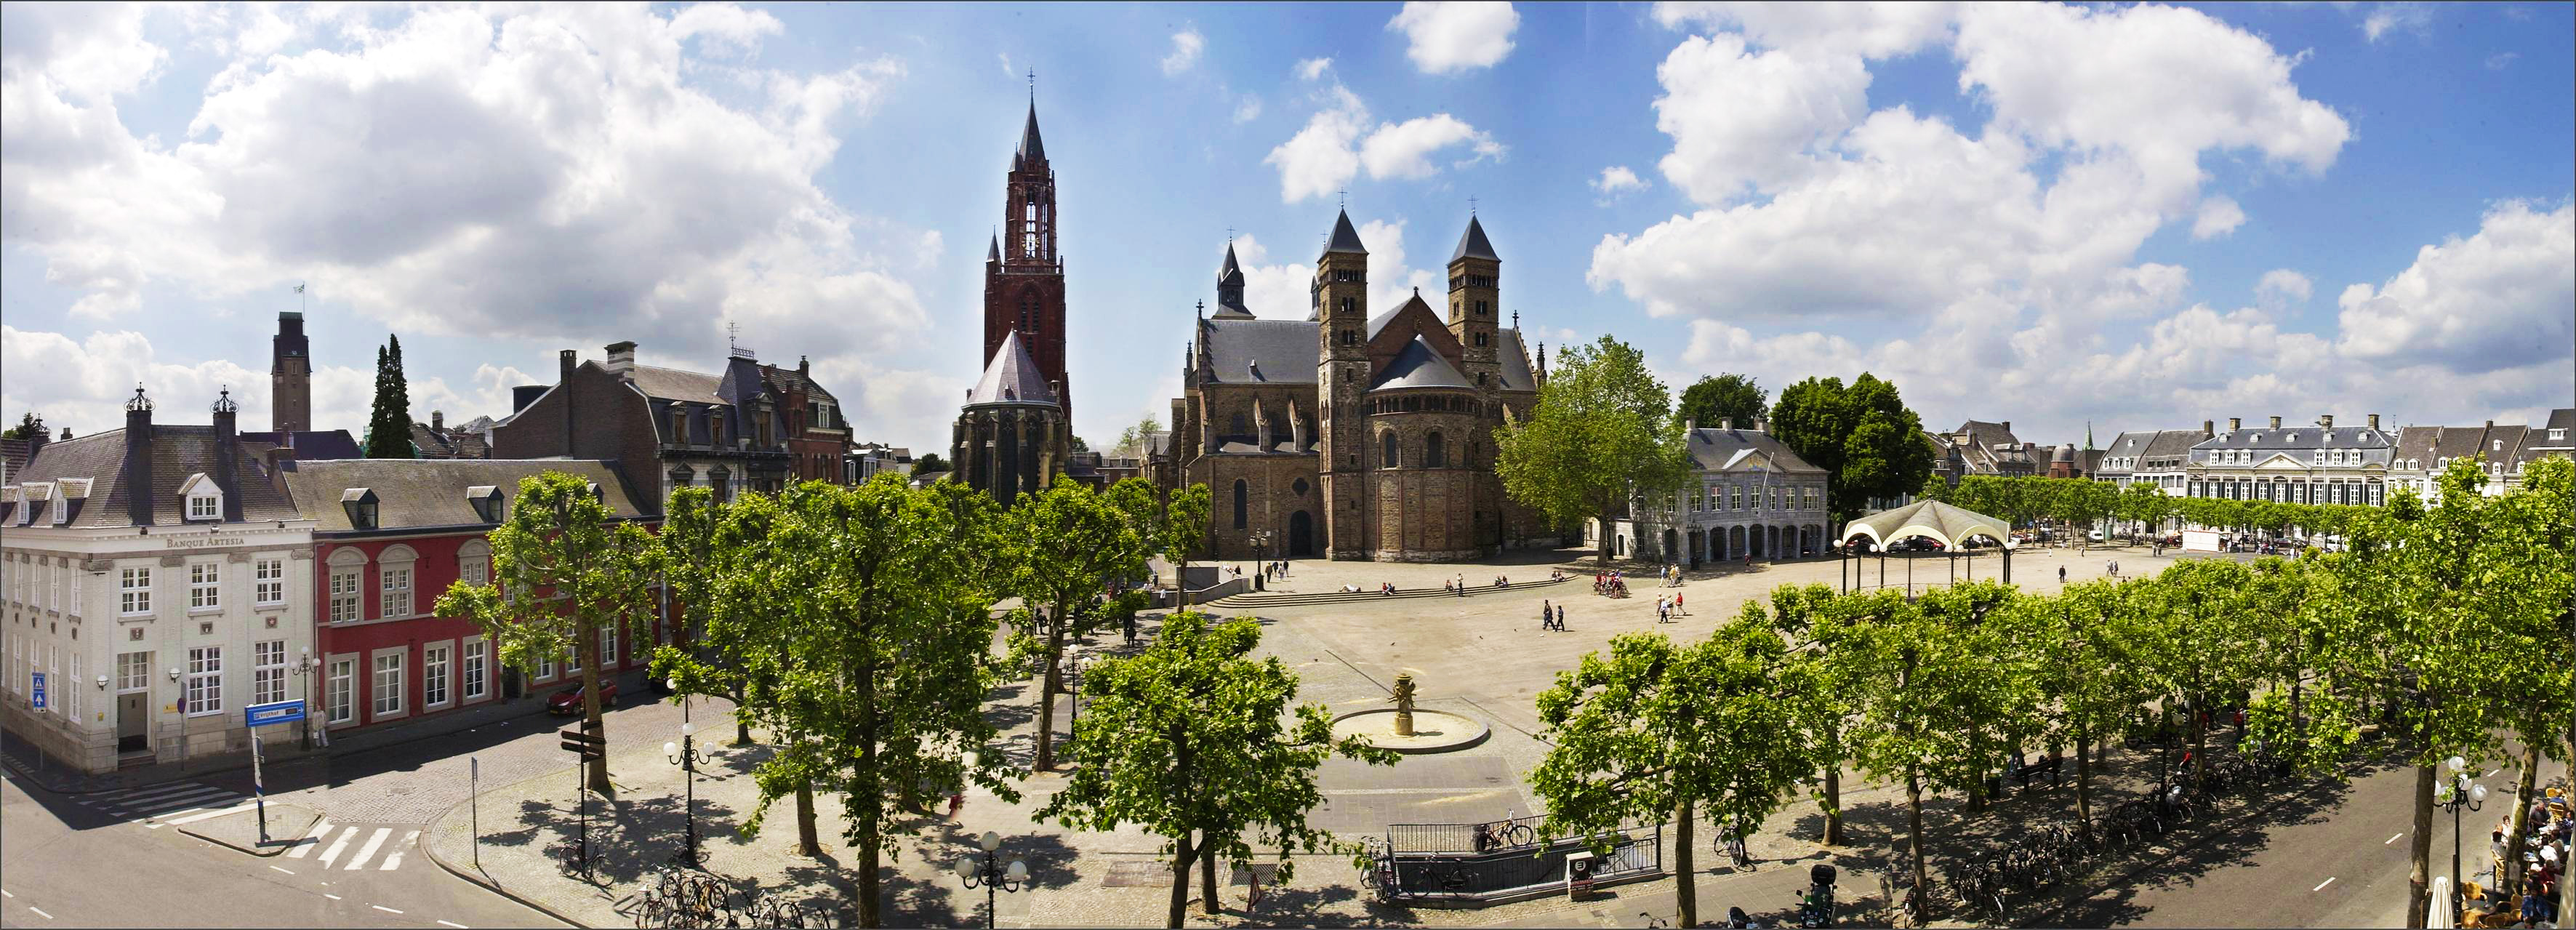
(1346, 197)
(1471, 206)
(1229, 235)
(1033, 85)
(731, 328)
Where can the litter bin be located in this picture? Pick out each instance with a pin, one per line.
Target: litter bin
(1579, 869)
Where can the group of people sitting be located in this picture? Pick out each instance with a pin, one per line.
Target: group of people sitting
(2544, 863)
(1610, 584)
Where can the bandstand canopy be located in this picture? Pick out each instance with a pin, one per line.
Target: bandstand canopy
(1950, 525)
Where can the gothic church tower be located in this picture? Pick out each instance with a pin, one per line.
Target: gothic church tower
(1023, 273)
(1341, 307)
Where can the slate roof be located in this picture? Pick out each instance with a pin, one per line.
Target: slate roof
(783, 380)
(1012, 378)
(1345, 239)
(1473, 244)
(177, 452)
(2563, 419)
(1515, 362)
(1031, 147)
(421, 493)
(668, 384)
(311, 444)
(1229, 274)
(14, 455)
(1419, 366)
(1283, 351)
(1731, 449)
(993, 249)
(2290, 438)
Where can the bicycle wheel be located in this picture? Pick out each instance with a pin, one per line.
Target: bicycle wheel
(1742, 856)
(1520, 834)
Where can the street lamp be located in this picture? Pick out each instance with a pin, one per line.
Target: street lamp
(980, 873)
(2456, 792)
(1261, 545)
(685, 754)
(1081, 668)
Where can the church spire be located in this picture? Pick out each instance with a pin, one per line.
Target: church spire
(1229, 288)
(1032, 149)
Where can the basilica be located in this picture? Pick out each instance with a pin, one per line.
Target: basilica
(1352, 434)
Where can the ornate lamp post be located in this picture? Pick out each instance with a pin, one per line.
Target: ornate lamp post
(981, 873)
(685, 754)
(2452, 794)
(1261, 543)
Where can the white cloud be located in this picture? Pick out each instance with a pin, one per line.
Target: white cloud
(1403, 150)
(1006, 64)
(1275, 292)
(2281, 288)
(1186, 46)
(446, 171)
(1247, 109)
(2391, 17)
(2219, 215)
(1313, 68)
(1393, 282)
(2496, 299)
(2501, 60)
(1878, 29)
(1615, 180)
(1447, 37)
(1744, 119)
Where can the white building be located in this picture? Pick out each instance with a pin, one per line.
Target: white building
(1749, 496)
(2318, 464)
(159, 581)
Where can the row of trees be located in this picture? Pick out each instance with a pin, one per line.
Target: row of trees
(2445, 627)
(2083, 502)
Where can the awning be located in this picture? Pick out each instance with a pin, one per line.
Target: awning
(1947, 524)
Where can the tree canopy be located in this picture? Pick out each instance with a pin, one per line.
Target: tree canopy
(1062, 549)
(1714, 398)
(1601, 433)
(1865, 439)
(389, 421)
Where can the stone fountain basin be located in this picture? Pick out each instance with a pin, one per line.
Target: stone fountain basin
(1433, 730)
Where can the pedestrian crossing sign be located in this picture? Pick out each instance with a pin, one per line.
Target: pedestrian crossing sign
(40, 689)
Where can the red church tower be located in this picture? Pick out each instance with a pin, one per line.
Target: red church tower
(1024, 281)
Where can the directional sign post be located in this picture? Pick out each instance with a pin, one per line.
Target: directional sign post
(264, 715)
(585, 747)
(40, 690)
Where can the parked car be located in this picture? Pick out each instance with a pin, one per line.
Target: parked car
(567, 703)
(2096, 535)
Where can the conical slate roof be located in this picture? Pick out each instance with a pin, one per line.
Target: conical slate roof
(1031, 149)
(1012, 378)
(1474, 244)
(993, 251)
(1231, 273)
(1345, 238)
(1419, 366)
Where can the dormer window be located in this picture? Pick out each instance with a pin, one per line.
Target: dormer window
(38, 494)
(597, 496)
(360, 505)
(205, 501)
(488, 503)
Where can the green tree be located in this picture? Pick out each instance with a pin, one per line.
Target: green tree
(1194, 741)
(2541, 673)
(29, 427)
(1723, 397)
(862, 619)
(1131, 441)
(2083, 503)
(691, 567)
(2146, 504)
(1865, 439)
(1063, 547)
(2090, 682)
(564, 569)
(1601, 434)
(1184, 531)
(1656, 730)
(389, 422)
(1816, 618)
(928, 463)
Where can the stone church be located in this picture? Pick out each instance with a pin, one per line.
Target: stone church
(1353, 435)
(1015, 435)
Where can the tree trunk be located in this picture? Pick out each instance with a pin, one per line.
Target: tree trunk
(591, 725)
(1685, 880)
(1180, 910)
(2084, 784)
(806, 843)
(1833, 804)
(2199, 742)
(2508, 877)
(1601, 547)
(1914, 837)
(2419, 849)
(1047, 691)
(741, 724)
(1207, 876)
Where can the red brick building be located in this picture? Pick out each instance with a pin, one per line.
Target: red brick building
(817, 436)
(390, 536)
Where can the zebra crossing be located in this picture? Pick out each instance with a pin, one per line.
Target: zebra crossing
(332, 841)
(160, 806)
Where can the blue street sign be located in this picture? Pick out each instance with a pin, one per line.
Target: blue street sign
(260, 715)
(40, 690)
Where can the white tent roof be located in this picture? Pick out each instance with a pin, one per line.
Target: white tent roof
(1950, 525)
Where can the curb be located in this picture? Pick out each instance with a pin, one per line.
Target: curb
(294, 835)
(476, 876)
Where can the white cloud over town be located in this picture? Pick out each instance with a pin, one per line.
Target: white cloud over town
(1444, 38)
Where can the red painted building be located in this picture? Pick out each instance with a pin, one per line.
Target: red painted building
(390, 536)
(816, 435)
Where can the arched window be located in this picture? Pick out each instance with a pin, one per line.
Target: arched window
(1242, 503)
(1386, 455)
(1434, 454)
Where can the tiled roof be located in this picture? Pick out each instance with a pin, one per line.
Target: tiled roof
(14, 454)
(2309, 436)
(673, 384)
(1283, 351)
(781, 380)
(1418, 366)
(420, 493)
(1012, 378)
(312, 444)
(178, 451)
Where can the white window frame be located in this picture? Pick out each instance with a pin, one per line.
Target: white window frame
(393, 590)
(572, 660)
(204, 683)
(340, 689)
(545, 670)
(134, 591)
(268, 671)
(437, 675)
(205, 586)
(72, 695)
(205, 507)
(268, 577)
(133, 672)
(608, 657)
(474, 668)
(379, 697)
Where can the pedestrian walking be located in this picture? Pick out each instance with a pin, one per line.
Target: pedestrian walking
(1544, 613)
(1677, 605)
(2061, 574)
(1560, 618)
(1131, 628)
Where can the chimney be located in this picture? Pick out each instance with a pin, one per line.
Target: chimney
(1690, 426)
(138, 458)
(2276, 423)
(2235, 423)
(2205, 430)
(1762, 426)
(565, 362)
(2007, 426)
(804, 366)
(2326, 420)
(1726, 423)
(2374, 421)
(621, 360)
(2490, 424)
(525, 394)
(228, 455)
(438, 420)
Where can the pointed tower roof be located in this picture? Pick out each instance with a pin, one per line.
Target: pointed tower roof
(1474, 244)
(1012, 378)
(1345, 238)
(993, 250)
(1229, 274)
(1031, 149)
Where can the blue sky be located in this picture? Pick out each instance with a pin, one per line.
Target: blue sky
(2133, 217)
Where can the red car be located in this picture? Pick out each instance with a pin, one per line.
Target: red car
(567, 703)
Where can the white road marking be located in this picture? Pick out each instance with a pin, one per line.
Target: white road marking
(457, 926)
(312, 838)
(385, 909)
(40, 913)
(2391, 839)
(331, 896)
(5, 894)
(143, 795)
(394, 858)
(193, 818)
(337, 846)
(287, 871)
(2321, 886)
(368, 851)
(165, 802)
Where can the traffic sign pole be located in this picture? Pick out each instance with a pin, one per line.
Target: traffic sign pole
(258, 786)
